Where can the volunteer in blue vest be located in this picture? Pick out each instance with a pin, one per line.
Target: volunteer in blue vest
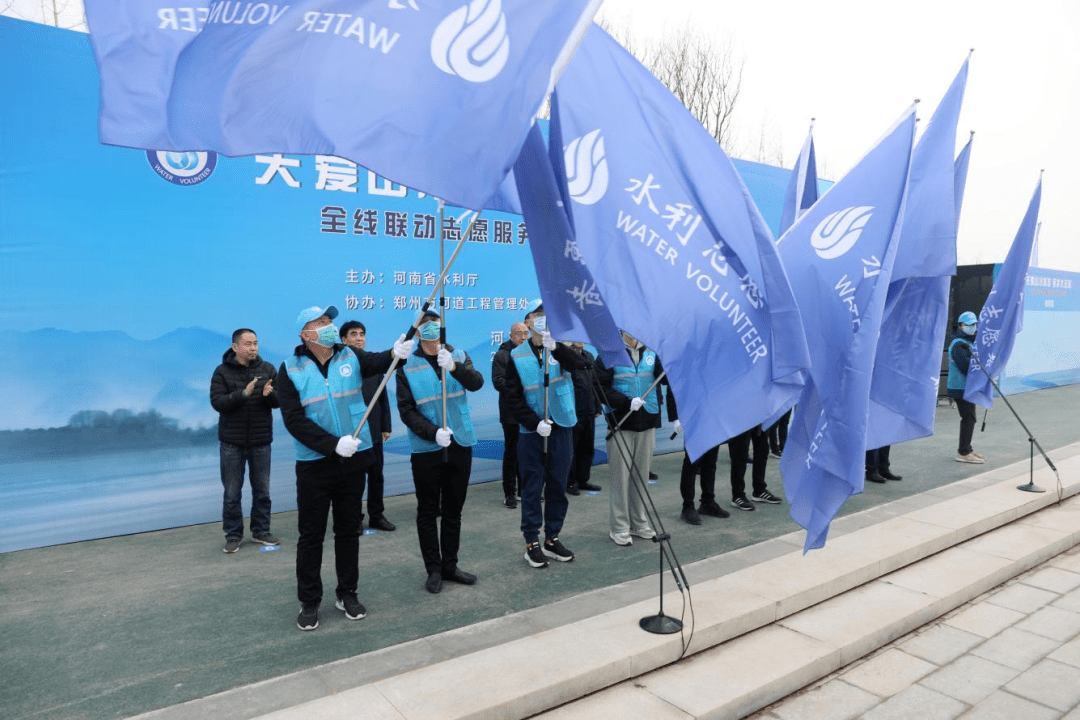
(626, 390)
(320, 389)
(959, 359)
(440, 481)
(540, 473)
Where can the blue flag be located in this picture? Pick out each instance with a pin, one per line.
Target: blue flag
(960, 169)
(437, 95)
(802, 189)
(845, 246)
(573, 304)
(1002, 315)
(903, 394)
(676, 245)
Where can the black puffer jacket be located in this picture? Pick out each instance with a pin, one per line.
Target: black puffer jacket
(498, 379)
(246, 421)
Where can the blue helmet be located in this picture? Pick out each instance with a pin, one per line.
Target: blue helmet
(967, 318)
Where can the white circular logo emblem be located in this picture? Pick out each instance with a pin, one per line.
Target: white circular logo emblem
(346, 370)
(586, 168)
(472, 42)
(182, 168)
(839, 232)
(649, 360)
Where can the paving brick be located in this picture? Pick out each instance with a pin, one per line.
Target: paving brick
(917, 702)
(1069, 653)
(1051, 622)
(941, 644)
(970, 679)
(1022, 598)
(1005, 706)
(1050, 683)
(984, 619)
(888, 673)
(1016, 648)
(1053, 579)
(835, 700)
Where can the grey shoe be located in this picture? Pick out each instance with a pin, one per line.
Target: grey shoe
(231, 545)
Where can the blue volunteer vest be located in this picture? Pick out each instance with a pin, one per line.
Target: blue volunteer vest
(427, 392)
(957, 379)
(560, 387)
(335, 402)
(634, 381)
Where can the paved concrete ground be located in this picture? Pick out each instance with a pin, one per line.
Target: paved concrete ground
(1011, 653)
(115, 627)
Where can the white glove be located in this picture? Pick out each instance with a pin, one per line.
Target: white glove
(446, 360)
(347, 446)
(543, 429)
(678, 427)
(403, 348)
(442, 436)
(636, 404)
(548, 341)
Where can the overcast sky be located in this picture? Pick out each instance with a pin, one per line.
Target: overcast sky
(855, 65)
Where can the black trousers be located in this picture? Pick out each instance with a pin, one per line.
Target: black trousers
(967, 425)
(778, 432)
(322, 486)
(584, 450)
(739, 451)
(375, 482)
(706, 466)
(878, 459)
(442, 485)
(511, 476)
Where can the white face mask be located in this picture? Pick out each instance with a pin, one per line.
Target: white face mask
(540, 323)
(969, 329)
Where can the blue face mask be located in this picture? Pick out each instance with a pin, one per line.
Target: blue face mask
(540, 323)
(328, 335)
(429, 331)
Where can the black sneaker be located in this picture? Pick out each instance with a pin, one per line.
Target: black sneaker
(712, 508)
(308, 619)
(889, 475)
(379, 522)
(535, 556)
(231, 545)
(510, 502)
(572, 490)
(874, 476)
(589, 487)
(690, 515)
(555, 549)
(653, 476)
(352, 607)
(267, 539)
(742, 503)
(766, 497)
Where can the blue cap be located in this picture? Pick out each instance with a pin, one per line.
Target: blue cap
(534, 306)
(314, 313)
(967, 318)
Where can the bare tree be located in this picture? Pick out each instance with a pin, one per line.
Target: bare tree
(66, 14)
(702, 72)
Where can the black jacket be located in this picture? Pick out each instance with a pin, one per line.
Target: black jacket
(379, 419)
(585, 403)
(246, 421)
(303, 428)
(620, 404)
(498, 380)
(463, 372)
(515, 391)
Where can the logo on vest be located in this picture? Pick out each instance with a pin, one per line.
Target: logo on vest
(182, 168)
(649, 360)
(346, 370)
(472, 42)
(586, 168)
(839, 232)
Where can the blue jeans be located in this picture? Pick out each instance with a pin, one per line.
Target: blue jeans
(551, 480)
(233, 459)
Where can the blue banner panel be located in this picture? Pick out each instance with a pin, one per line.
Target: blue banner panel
(1047, 350)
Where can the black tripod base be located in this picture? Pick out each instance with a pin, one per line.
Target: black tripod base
(660, 624)
(1030, 487)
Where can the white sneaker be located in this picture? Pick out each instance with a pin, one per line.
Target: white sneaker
(621, 538)
(978, 454)
(970, 458)
(644, 532)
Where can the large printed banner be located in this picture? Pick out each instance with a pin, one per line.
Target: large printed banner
(1047, 351)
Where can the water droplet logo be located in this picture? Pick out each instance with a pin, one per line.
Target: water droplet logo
(586, 168)
(182, 168)
(839, 232)
(472, 42)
